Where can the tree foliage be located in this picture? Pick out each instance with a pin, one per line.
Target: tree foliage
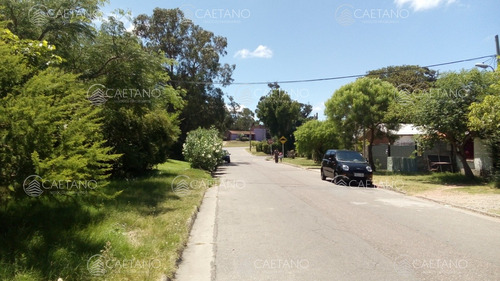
(409, 80)
(47, 127)
(278, 112)
(62, 23)
(484, 117)
(443, 112)
(409, 77)
(314, 137)
(197, 53)
(361, 106)
(141, 114)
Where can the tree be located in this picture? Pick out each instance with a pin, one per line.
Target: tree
(62, 23)
(409, 80)
(278, 112)
(244, 120)
(141, 114)
(239, 118)
(484, 117)
(197, 54)
(408, 77)
(443, 112)
(359, 106)
(314, 137)
(47, 127)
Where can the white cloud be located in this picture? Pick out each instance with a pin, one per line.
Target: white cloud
(420, 5)
(239, 109)
(260, 52)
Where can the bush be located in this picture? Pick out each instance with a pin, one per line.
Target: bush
(203, 149)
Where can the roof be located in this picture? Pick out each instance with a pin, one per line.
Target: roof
(404, 130)
(408, 130)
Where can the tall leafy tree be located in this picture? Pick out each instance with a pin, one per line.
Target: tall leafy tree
(142, 115)
(244, 120)
(47, 127)
(63, 23)
(359, 106)
(197, 53)
(409, 80)
(484, 117)
(408, 77)
(314, 137)
(443, 112)
(278, 112)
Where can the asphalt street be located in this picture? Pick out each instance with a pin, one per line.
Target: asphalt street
(268, 221)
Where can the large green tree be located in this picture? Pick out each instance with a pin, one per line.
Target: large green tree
(361, 106)
(47, 127)
(141, 114)
(443, 112)
(484, 117)
(278, 112)
(63, 23)
(410, 77)
(314, 137)
(197, 54)
(409, 80)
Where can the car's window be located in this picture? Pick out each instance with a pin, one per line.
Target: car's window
(350, 156)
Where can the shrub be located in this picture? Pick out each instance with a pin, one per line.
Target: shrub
(203, 149)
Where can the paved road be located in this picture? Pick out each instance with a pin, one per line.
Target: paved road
(277, 222)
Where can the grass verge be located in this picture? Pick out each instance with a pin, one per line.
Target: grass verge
(138, 235)
(236, 144)
(413, 184)
(254, 152)
(304, 162)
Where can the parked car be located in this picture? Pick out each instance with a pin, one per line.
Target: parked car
(226, 156)
(346, 167)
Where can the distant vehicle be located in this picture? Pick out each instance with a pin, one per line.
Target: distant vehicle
(226, 156)
(346, 167)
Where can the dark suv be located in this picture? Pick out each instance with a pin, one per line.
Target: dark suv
(346, 167)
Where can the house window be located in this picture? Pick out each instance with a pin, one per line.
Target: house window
(469, 150)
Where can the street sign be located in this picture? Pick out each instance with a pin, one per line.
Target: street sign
(283, 140)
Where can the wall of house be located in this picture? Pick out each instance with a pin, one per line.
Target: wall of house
(481, 165)
(260, 134)
(482, 157)
(408, 151)
(380, 156)
(233, 136)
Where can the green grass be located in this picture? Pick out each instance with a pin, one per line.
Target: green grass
(236, 144)
(140, 232)
(304, 162)
(418, 183)
(254, 152)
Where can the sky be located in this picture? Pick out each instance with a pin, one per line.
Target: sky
(275, 40)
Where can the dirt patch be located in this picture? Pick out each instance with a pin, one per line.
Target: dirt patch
(485, 203)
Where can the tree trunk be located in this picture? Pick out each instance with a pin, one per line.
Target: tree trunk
(465, 165)
(370, 153)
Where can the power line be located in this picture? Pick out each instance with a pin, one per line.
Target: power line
(322, 79)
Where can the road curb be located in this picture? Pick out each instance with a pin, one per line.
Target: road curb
(197, 259)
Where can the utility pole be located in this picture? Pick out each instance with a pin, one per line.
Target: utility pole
(498, 51)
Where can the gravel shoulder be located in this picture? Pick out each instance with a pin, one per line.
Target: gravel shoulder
(484, 203)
